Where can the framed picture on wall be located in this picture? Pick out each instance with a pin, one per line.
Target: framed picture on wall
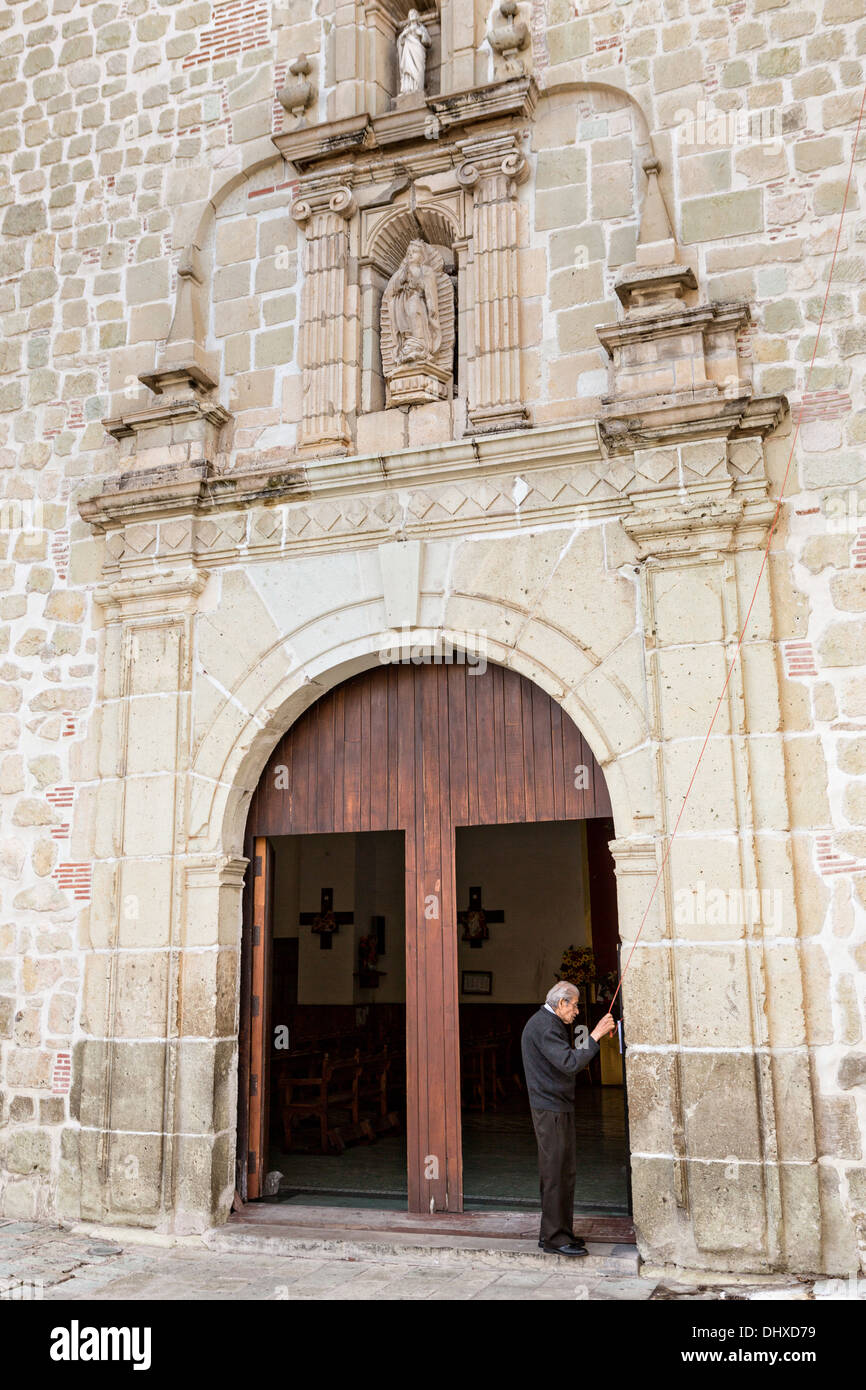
(476, 982)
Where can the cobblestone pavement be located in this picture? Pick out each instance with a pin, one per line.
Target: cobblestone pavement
(45, 1261)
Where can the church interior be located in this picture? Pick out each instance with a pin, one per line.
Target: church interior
(527, 893)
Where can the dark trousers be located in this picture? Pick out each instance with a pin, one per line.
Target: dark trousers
(557, 1171)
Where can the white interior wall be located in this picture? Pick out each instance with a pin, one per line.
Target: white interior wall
(536, 873)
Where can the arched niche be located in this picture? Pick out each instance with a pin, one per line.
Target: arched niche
(385, 238)
(384, 20)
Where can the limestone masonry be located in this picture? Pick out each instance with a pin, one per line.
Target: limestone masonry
(234, 470)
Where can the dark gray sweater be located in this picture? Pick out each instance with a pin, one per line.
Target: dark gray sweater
(550, 1063)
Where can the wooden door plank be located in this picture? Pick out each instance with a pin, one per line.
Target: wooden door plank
(512, 733)
(260, 1000)
(542, 754)
(486, 749)
(324, 810)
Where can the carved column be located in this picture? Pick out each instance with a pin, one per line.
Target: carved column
(329, 320)
(493, 169)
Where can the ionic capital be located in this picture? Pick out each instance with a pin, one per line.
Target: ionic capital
(490, 160)
(339, 200)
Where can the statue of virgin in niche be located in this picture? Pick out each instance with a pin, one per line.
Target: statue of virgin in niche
(412, 300)
(412, 40)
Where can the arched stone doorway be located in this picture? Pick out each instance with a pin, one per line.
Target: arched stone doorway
(424, 749)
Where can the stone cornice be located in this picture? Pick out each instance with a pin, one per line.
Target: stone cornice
(353, 137)
(700, 526)
(138, 495)
(151, 595)
(641, 422)
(174, 411)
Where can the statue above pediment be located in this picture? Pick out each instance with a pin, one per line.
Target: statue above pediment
(417, 328)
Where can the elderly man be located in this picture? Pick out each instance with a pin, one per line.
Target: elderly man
(551, 1064)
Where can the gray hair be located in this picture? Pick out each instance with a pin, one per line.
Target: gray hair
(562, 990)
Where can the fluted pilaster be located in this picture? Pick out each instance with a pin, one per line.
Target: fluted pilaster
(326, 312)
(493, 169)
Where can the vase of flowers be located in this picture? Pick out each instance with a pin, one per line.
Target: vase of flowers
(577, 965)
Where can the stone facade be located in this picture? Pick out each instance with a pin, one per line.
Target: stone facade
(211, 516)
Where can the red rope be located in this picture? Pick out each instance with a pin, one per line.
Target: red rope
(766, 550)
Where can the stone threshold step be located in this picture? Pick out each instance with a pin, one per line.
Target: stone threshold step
(501, 1224)
(334, 1242)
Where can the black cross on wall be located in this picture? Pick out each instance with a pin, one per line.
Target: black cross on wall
(475, 918)
(326, 921)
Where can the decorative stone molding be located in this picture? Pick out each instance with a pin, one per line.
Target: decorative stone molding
(700, 527)
(154, 593)
(228, 871)
(508, 36)
(298, 93)
(185, 353)
(675, 368)
(492, 169)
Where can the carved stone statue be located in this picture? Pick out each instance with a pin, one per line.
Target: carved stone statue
(414, 299)
(417, 328)
(412, 41)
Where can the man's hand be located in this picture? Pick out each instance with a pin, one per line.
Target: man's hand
(603, 1027)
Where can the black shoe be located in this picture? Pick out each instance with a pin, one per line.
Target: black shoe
(576, 1241)
(568, 1249)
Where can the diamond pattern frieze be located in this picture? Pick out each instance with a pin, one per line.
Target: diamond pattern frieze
(655, 466)
(483, 495)
(206, 535)
(141, 539)
(549, 484)
(267, 525)
(420, 504)
(584, 481)
(173, 534)
(356, 512)
(619, 476)
(451, 499)
(326, 516)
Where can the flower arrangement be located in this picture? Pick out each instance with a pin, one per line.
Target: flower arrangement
(577, 965)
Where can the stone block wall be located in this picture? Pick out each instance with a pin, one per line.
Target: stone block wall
(131, 131)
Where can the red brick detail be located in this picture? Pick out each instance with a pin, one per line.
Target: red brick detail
(274, 188)
(60, 553)
(858, 553)
(70, 724)
(239, 26)
(61, 1076)
(799, 659)
(604, 45)
(821, 405)
(829, 862)
(61, 799)
(74, 878)
(279, 116)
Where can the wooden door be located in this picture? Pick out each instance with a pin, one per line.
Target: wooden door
(424, 749)
(254, 1038)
